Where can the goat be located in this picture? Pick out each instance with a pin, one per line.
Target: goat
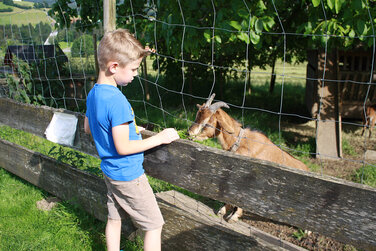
(211, 121)
(369, 119)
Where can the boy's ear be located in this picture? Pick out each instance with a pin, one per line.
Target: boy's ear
(112, 67)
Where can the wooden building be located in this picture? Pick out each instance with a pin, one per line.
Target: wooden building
(33, 54)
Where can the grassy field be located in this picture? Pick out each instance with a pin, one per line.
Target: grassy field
(20, 16)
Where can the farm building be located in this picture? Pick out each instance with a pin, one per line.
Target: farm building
(348, 79)
(339, 86)
(34, 54)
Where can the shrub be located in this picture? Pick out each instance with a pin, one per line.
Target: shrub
(83, 46)
(6, 10)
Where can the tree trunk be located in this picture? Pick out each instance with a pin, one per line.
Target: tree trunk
(95, 54)
(145, 74)
(273, 77)
(249, 90)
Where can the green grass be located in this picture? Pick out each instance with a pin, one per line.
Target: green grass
(20, 16)
(24, 227)
(63, 45)
(368, 173)
(4, 6)
(25, 3)
(65, 227)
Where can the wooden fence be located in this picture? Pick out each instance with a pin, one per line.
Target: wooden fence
(333, 207)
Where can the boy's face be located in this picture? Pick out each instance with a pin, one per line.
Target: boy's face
(124, 75)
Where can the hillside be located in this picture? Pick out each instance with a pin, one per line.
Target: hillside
(24, 17)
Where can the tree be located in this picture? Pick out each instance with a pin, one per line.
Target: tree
(8, 2)
(266, 29)
(82, 46)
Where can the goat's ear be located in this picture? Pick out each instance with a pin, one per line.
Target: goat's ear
(226, 124)
(227, 127)
(198, 106)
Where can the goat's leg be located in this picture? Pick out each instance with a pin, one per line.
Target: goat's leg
(235, 215)
(371, 125)
(366, 123)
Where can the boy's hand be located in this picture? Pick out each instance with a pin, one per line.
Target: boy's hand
(168, 135)
(152, 50)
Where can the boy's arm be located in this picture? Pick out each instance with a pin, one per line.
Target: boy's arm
(86, 126)
(124, 146)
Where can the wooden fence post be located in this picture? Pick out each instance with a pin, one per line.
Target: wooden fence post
(109, 15)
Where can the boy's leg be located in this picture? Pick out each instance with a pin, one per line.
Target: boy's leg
(113, 232)
(152, 240)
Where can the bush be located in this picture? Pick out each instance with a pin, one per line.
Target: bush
(6, 10)
(83, 46)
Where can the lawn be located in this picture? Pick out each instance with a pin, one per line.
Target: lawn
(23, 17)
(66, 227)
(24, 227)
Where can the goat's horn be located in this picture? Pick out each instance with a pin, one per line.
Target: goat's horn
(214, 107)
(210, 100)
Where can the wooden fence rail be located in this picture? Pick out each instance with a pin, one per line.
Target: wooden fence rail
(333, 207)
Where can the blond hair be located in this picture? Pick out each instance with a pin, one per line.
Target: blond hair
(120, 46)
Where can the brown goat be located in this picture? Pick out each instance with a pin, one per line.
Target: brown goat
(211, 121)
(369, 119)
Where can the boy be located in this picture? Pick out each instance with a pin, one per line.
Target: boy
(110, 120)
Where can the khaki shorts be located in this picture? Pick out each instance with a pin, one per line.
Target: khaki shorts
(136, 199)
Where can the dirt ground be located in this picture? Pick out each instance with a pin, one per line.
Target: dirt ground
(342, 168)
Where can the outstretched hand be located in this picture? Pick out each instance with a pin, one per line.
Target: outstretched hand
(151, 50)
(168, 135)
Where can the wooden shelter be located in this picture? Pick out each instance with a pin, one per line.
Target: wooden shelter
(33, 54)
(350, 71)
(340, 84)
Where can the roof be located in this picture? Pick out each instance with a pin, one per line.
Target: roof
(34, 53)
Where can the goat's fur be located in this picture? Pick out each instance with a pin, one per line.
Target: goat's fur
(369, 119)
(211, 121)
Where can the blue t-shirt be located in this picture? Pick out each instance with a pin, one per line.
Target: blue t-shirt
(107, 107)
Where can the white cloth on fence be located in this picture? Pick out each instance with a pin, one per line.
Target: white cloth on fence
(62, 129)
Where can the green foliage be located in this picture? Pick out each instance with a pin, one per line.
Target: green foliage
(299, 234)
(8, 2)
(348, 20)
(365, 175)
(67, 35)
(23, 34)
(11, 3)
(40, 5)
(60, 153)
(83, 46)
(75, 159)
(9, 9)
(22, 88)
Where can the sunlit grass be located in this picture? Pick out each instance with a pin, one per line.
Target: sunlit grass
(24, 17)
(24, 227)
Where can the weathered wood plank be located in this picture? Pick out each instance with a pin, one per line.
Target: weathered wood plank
(186, 228)
(195, 221)
(333, 207)
(59, 179)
